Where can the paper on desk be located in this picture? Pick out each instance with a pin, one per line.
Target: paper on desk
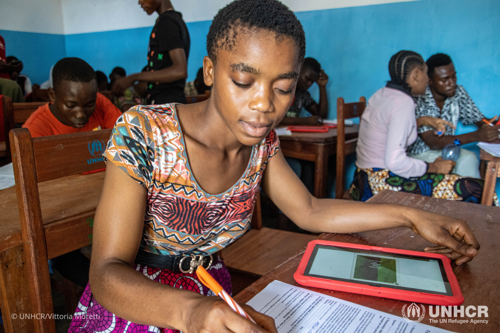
(492, 148)
(347, 122)
(7, 176)
(283, 131)
(296, 309)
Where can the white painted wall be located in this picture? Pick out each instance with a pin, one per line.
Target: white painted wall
(84, 16)
(97, 15)
(44, 16)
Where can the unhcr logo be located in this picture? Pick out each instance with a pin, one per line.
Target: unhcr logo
(413, 312)
(96, 148)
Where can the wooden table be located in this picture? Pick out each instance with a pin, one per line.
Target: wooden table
(490, 179)
(60, 199)
(478, 279)
(315, 147)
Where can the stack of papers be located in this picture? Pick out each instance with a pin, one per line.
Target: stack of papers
(7, 176)
(492, 148)
(296, 309)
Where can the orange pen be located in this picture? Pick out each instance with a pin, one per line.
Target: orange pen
(213, 285)
(486, 121)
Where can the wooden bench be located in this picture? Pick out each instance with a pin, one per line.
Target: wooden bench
(40, 160)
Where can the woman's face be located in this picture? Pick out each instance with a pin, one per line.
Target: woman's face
(254, 83)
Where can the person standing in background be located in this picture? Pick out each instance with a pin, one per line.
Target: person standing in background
(168, 52)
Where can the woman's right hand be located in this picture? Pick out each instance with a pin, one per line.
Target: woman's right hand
(441, 166)
(212, 314)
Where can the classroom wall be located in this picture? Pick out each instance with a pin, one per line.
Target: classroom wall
(36, 34)
(353, 39)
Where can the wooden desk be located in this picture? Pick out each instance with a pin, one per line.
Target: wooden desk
(61, 199)
(490, 179)
(315, 147)
(478, 279)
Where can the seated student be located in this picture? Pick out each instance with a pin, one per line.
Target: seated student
(12, 89)
(15, 75)
(75, 105)
(196, 87)
(134, 95)
(388, 127)
(445, 99)
(309, 73)
(5, 68)
(102, 81)
(181, 181)
(115, 74)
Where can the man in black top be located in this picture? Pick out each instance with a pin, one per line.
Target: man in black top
(168, 53)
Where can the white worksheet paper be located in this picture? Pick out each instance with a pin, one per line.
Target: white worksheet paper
(492, 148)
(7, 176)
(296, 309)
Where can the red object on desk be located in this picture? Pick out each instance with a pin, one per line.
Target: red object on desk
(93, 171)
(308, 129)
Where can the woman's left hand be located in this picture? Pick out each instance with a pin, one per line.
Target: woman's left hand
(453, 237)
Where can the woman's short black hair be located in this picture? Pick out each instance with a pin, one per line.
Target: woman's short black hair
(72, 69)
(437, 60)
(401, 65)
(270, 15)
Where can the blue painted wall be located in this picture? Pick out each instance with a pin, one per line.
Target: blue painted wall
(38, 52)
(128, 48)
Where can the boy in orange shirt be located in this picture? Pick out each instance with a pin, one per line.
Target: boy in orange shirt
(75, 105)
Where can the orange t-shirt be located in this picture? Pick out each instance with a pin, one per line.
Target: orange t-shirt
(43, 123)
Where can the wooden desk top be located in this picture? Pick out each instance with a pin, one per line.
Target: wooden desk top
(60, 199)
(478, 279)
(484, 156)
(327, 137)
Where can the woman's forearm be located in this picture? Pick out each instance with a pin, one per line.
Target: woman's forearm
(134, 297)
(341, 216)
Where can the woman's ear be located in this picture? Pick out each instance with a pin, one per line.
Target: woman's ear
(208, 71)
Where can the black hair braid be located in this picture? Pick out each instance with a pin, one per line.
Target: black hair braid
(400, 66)
(270, 15)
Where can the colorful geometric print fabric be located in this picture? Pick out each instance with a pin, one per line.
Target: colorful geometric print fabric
(369, 182)
(90, 316)
(147, 143)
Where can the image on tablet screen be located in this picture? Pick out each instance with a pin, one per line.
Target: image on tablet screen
(368, 268)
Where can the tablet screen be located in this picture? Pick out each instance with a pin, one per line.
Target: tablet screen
(379, 269)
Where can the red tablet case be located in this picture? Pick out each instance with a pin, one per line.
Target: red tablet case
(356, 288)
(308, 129)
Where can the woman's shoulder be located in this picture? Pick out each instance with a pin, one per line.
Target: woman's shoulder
(151, 118)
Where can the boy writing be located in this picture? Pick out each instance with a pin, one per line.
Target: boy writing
(75, 105)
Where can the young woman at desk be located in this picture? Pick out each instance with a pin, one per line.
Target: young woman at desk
(388, 127)
(181, 182)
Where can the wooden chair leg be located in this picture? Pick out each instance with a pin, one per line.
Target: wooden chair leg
(489, 183)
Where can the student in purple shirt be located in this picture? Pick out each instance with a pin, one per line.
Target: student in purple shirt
(388, 126)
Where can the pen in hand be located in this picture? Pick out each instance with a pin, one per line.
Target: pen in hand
(213, 285)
